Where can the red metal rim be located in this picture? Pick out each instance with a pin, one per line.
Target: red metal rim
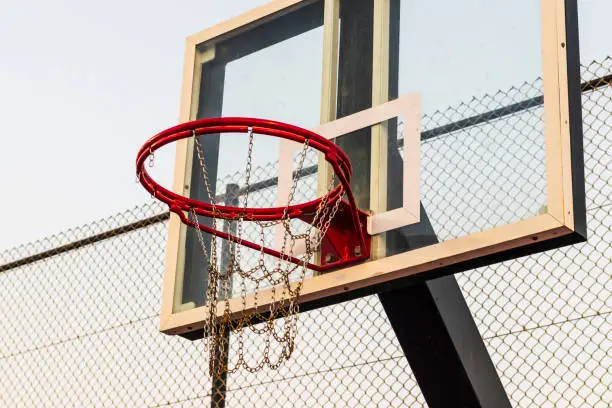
(333, 154)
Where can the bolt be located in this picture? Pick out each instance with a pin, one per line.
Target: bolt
(330, 258)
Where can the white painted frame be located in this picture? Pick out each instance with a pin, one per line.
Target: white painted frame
(407, 106)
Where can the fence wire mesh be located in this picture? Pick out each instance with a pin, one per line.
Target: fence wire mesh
(79, 316)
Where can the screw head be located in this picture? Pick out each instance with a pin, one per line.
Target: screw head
(330, 258)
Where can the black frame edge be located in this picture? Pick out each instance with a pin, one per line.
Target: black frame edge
(574, 85)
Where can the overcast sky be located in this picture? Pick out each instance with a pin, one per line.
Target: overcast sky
(84, 83)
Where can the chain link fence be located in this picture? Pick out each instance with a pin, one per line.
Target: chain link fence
(79, 316)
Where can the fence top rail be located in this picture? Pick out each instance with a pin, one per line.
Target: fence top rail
(587, 86)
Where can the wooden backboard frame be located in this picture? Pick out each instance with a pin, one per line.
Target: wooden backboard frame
(563, 223)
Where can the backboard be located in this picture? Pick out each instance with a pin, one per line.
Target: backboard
(449, 182)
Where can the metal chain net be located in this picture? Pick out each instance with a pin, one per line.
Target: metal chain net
(79, 315)
(280, 322)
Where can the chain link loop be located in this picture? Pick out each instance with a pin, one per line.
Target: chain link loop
(285, 308)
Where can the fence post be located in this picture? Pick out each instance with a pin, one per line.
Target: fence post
(219, 379)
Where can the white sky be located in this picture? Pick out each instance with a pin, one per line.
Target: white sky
(84, 83)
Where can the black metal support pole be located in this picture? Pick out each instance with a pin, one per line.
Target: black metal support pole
(438, 335)
(431, 320)
(435, 327)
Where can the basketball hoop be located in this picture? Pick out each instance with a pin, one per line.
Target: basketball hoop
(336, 228)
